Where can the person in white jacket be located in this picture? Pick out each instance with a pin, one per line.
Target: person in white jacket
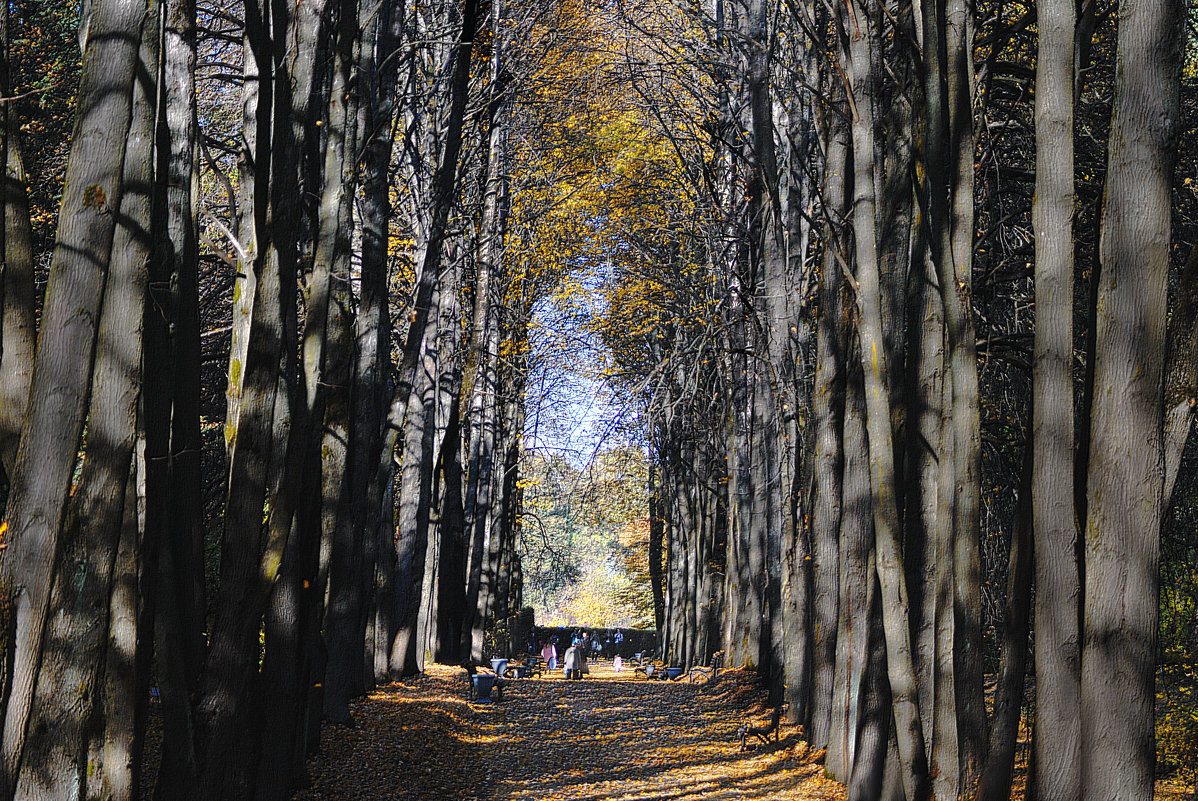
(574, 662)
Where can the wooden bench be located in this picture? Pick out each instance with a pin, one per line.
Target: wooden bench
(762, 732)
(712, 670)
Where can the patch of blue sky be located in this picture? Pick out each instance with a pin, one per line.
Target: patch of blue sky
(570, 409)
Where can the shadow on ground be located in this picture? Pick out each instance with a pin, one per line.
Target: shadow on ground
(606, 737)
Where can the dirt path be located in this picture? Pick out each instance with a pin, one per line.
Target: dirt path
(606, 737)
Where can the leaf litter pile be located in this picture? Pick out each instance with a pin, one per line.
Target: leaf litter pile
(609, 736)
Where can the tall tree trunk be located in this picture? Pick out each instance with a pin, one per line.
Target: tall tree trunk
(265, 448)
(828, 412)
(173, 506)
(928, 525)
(443, 191)
(292, 619)
(745, 581)
(995, 784)
(416, 485)
(59, 389)
(871, 730)
(656, 535)
(483, 369)
(965, 419)
(115, 756)
(1125, 474)
(890, 571)
(68, 691)
(855, 580)
(352, 535)
(1057, 740)
(451, 579)
(18, 325)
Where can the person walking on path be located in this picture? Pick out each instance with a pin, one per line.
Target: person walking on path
(549, 654)
(573, 661)
(584, 653)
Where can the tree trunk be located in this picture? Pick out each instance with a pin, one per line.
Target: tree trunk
(871, 731)
(965, 420)
(59, 389)
(115, 758)
(1125, 473)
(656, 535)
(891, 577)
(451, 580)
(995, 783)
(352, 527)
(415, 492)
(171, 414)
(68, 697)
(18, 325)
(1057, 740)
(855, 580)
(828, 413)
(266, 447)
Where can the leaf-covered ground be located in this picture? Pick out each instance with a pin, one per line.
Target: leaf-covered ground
(606, 737)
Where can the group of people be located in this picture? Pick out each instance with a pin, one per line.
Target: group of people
(582, 647)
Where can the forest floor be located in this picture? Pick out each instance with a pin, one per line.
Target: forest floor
(609, 736)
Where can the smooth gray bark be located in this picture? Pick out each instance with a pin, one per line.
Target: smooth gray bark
(1057, 740)
(59, 389)
(874, 361)
(828, 400)
(1125, 475)
(69, 689)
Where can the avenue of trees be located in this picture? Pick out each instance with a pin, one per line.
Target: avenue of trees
(898, 298)
(912, 346)
(261, 366)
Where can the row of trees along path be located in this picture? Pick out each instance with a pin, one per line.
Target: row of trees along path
(898, 300)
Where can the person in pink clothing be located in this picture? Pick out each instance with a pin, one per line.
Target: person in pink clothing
(549, 654)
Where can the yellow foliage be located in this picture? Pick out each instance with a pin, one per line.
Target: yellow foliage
(596, 173)
(1177, 718)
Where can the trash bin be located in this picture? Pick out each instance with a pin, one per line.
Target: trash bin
(499, 666)
(483, 683)
(673, 673)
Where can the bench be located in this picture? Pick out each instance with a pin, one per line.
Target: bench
(762, 732)
(712, 670)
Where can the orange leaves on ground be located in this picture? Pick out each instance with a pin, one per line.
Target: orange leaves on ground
(607, 737)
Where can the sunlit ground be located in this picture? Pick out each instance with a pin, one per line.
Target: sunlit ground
(609, 736)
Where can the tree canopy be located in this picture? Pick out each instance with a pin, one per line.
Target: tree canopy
(857, 343)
